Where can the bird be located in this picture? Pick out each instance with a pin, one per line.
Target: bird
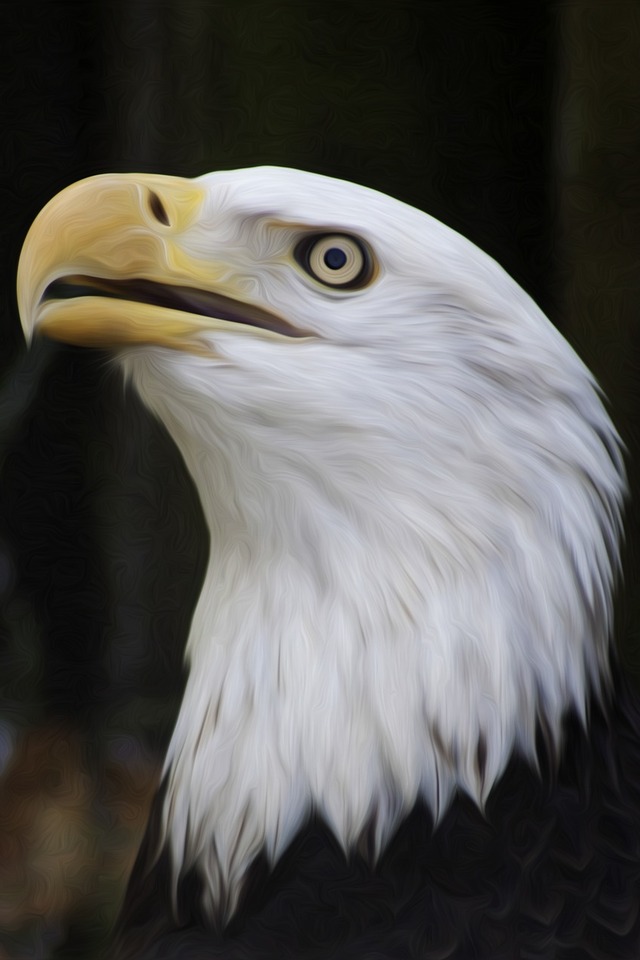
(404, 731)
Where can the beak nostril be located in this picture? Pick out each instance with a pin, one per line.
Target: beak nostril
(157, 209)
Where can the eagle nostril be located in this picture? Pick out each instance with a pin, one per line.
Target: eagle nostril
(157, 209)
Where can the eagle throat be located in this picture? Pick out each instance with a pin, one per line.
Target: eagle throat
(362, 639)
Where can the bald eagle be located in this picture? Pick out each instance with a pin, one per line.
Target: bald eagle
(413, 495)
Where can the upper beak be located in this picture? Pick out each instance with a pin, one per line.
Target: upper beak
(104, 264)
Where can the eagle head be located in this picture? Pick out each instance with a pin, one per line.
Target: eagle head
(411, 485)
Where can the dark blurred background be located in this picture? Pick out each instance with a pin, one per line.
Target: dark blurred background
(518, 125)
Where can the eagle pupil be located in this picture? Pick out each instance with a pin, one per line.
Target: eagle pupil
(335, 258)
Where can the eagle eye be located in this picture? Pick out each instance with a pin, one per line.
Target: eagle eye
(335, 260)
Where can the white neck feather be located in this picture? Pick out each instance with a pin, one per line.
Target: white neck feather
(384, 617)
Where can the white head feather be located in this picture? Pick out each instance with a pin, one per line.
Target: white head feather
(414, 523)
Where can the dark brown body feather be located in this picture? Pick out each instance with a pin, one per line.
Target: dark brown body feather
(551, 872)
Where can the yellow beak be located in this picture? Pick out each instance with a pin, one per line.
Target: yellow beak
(103, 265)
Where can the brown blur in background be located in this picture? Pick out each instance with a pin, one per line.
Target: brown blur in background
(518, 125)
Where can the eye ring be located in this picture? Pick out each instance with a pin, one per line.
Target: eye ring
(336, 260)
